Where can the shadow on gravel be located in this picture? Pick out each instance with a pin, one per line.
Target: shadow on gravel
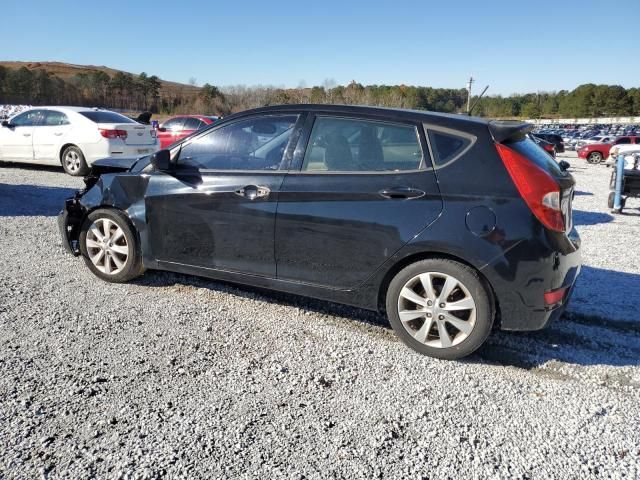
(583, 194)
(154, 278)
(31, 200)
(33, 168)
(581, 217)
(575, 339)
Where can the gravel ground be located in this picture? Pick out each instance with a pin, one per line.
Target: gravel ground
(180, 377)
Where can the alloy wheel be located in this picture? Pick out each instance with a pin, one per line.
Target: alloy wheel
(107, 246)
(72, 161)
(437, 310)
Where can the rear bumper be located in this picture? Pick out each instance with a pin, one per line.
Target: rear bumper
(520, 285)
(120, 149)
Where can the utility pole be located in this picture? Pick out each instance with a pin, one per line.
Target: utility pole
(471, 80)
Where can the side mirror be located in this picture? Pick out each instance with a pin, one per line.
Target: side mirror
(161, 160)
(564, 165)
(161, 129)
(5, 123)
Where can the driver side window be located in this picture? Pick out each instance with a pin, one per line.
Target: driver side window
(27, 119)
(257, 143)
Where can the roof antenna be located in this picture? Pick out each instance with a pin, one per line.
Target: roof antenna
(477, 100)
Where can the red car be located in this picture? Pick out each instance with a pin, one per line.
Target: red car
(597, 152)
(177, 128)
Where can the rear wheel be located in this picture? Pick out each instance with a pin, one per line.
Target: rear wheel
(594, 157)
(110, 247)
(73, 161)
(440, 308)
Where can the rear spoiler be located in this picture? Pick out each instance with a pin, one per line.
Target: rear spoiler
(502, 130)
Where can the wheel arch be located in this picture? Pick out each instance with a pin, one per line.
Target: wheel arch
(426, 255)
(64, 147)
(81, 219)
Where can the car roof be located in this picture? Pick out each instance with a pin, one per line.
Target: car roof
(72, 109)
(398, 113)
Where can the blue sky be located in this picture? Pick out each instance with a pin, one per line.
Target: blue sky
(545, 45)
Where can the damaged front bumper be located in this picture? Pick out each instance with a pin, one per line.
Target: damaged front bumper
(69, 223)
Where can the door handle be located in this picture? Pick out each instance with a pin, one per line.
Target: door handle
(251, 192)
(402, 193)
(26, 134)
(57, 134)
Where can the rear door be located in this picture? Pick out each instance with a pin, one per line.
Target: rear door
(48, 136)
(217, 209)
(361, 190)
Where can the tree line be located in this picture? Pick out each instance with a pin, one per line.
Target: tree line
(146, 92)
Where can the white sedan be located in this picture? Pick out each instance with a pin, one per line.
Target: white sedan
(627, 151)
(74, 137)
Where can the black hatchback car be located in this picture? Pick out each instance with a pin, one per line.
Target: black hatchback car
(450, 224)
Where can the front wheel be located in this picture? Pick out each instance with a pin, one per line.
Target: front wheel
(73, 162)
(440, 308)
(594, 157)
(110, 247)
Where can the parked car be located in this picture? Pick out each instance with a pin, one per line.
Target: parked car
(597, 152)
(546, 146)
(178, 128)
(624, 148)
(595, 139)
(73, 137)
(553, 138)
(449, 224)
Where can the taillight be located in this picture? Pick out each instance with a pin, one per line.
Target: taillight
(537, 188)
(107, 133)
(154, 133)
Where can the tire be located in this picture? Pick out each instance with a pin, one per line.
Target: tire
(118, 260)
(611, 199)
(73, 161)
(594, 157)
(427, 338)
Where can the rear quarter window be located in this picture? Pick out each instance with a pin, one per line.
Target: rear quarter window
(447, 146)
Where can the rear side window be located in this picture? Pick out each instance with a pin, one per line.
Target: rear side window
(106, 117)
(353, 145)
(623, 141)
(54, 118)
(537, 155)
(447, 147)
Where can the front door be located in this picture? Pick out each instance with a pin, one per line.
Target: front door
(364, 189)
(16, 140)
(217, 208)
